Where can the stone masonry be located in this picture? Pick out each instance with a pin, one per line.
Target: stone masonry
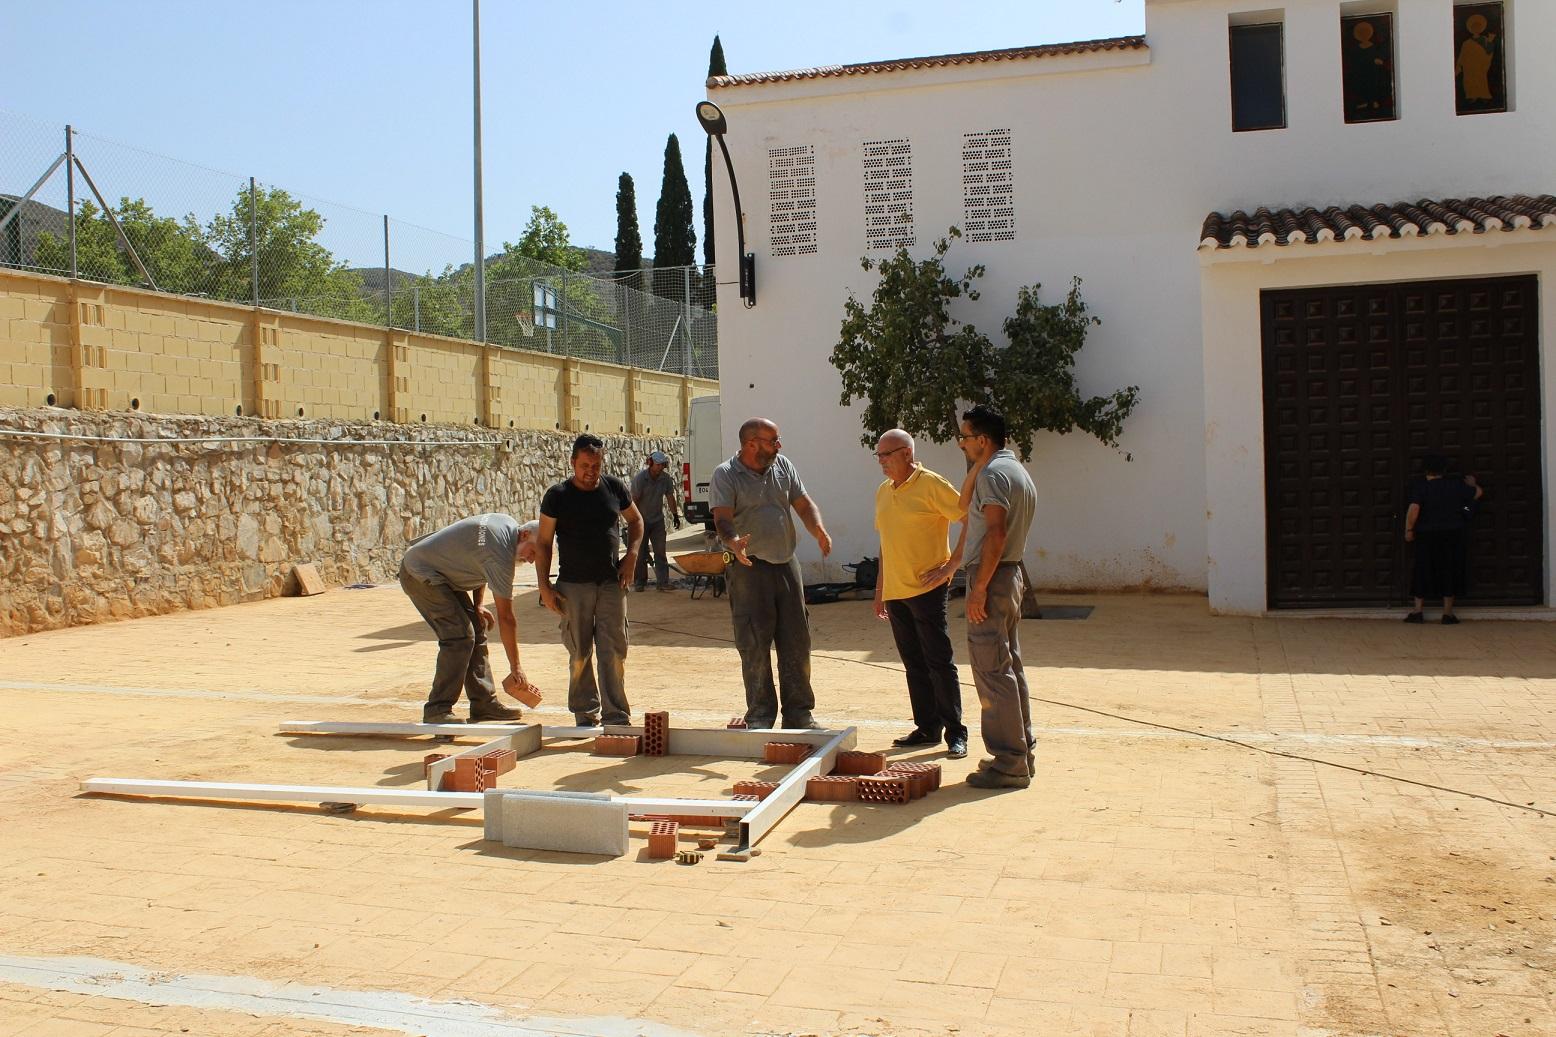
(92, 531)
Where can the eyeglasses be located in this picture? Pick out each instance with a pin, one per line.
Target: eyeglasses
(883, 454)
(964, 437)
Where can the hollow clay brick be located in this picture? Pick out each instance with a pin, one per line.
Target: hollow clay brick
(618, 745)
(736, 724)
(905, 767)
(430, 759)
(470, 774)
(884, 788)
(759, 789)
(785, 752)
(662, 838)
(853, 762)
(501, 761)
(832, 788)
(656, 733)
(688, 857)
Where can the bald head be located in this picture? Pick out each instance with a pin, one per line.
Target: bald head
(896, 437)
(759, 444)
(894, 451)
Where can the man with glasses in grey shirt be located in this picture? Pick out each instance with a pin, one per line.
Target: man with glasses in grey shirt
(751, 496)
(1000, 507)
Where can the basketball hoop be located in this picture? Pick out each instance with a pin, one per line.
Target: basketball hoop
(526, 323)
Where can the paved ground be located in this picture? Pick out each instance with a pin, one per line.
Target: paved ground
(1286, 827)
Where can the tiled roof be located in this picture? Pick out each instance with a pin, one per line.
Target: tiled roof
(977, 57)
(1358, 222)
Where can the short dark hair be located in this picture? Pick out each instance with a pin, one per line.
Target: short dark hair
(986, 421)
(593, 444)
(1435, 464)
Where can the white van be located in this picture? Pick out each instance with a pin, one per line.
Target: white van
(704, 452)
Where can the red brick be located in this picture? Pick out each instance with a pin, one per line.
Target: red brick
(759, 789)
(661, 839)
(618, 745)
(656, 733)
(470, 774)
(736, 724)
(501, 761)
(785, 752)
(884, 788)
(852, 762)
(430, 759)
(832, 788)
(907, 767)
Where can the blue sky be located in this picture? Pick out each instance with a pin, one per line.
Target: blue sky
(368, 103)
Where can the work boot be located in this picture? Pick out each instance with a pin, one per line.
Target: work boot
(987, 763)
(440, 716)
(993, 779)
(493, 711)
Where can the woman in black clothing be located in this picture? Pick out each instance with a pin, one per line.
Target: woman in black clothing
(1437, 522)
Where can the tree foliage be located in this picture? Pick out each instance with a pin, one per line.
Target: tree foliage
(675, 239)
(546, 239)
(629, 242)
(916, 367)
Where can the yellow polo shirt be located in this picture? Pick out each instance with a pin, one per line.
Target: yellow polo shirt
(914, 521)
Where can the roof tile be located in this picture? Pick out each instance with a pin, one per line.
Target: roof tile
(1266, 226)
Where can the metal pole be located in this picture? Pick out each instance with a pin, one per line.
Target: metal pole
(416, 308)
(253, 243)
(388, 313)
(70, 193)
(686, 309)
(480, 233)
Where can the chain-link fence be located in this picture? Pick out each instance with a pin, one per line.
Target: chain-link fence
(148, 220)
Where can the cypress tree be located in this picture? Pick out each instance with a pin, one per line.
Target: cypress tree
(675, 239)
(629, 243)
(716, 67)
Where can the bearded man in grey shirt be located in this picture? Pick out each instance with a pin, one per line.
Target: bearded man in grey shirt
(752, 495)
(1001, 501)
(445, 575)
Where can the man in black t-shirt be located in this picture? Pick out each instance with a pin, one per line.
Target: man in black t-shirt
(582, 515)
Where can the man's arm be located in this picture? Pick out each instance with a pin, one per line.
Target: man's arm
(809, 514)
(941, 573)
(994, 536)
(880, 580)
(485, 614)
(675, 507)
(1411, 514)
(724, 524)
(629, 560)
(508, 630)
(543, 537)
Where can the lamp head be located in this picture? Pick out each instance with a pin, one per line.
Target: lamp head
(712, 118)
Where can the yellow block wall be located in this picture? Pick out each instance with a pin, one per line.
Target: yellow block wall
(193, 356)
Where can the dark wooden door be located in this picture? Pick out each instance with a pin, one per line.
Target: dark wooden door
(1360, 382)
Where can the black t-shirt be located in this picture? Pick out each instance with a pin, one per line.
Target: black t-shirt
(1442, 503)
(586, 522)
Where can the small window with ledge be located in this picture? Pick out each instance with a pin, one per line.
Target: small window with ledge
(1367, 67)
(1258, 73)
(1480, 58)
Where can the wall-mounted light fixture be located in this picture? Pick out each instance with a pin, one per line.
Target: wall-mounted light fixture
(712, 119)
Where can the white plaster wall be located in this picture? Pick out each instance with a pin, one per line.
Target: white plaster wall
(1234, 417)
(1118, 157)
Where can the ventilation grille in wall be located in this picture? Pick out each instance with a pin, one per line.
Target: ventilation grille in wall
(888, 194)
(791, 187)
(988, 197)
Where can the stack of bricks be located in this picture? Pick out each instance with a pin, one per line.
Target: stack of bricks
(501, 761)
(662, 838)
(832, 788)
(925, 776)
(885, 788)
(852, 762)
(656, 734)
(618, 745)
(785, 752)
(470, 774)
(759, 789)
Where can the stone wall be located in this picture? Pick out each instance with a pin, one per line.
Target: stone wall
(92, 530)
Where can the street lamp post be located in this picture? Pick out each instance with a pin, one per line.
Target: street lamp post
(712, 120)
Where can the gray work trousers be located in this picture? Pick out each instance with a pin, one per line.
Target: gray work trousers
(653, 537)
(462, 661)
(994, 647)
(594, 628)
(767, 608)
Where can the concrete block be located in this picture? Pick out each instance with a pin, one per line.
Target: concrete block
(566, 823)
(662, 838)
(656, 733)
(884, 788)
(851, 761)
(785, 752)
(618, 745)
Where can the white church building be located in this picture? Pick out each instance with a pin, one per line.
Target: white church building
(1321, 239)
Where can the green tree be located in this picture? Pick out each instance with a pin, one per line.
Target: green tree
(173, 251)
(716, 67)
(915, 366)
(629, 243)
(546, 239)
(675, 239)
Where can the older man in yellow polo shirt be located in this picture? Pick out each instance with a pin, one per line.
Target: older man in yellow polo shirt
(914, 509)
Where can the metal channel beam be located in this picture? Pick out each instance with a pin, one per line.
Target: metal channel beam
(334, 727)
(736, 743)
(524, 741)
(791, 790)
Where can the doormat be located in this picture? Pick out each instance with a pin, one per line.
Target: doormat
(1062, 612)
